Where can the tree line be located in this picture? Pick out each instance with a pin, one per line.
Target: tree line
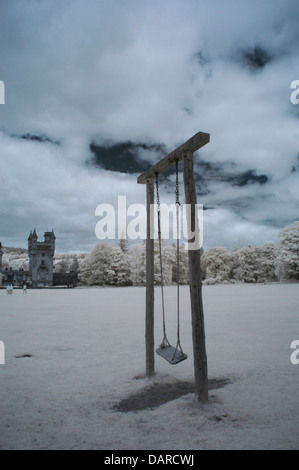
(121, 266)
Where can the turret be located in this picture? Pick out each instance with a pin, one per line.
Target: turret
(49, 237)
(50, 240)
(32, 240)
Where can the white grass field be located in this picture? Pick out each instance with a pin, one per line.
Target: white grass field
(87, 354)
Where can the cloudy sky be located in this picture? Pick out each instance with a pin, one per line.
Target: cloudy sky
(98, 90)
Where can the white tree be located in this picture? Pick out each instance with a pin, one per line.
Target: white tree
(136, 258)
(61, 266)
(266, 260)
(217, 263)
(168, 258)
(246, 265)
(74, 265)
(119, 271)
(183, 265)
(254, 264)
(97, 268)
(123, 244)
(85, 271)
(169, 264)
(288, 252)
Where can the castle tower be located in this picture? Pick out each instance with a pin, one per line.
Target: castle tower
(41, 259)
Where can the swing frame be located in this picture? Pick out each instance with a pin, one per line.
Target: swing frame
(183, 153)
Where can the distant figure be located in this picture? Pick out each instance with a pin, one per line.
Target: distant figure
(24, 289)
(9, 289)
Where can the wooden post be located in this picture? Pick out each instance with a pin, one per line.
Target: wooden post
(150, 296)
(195, 283)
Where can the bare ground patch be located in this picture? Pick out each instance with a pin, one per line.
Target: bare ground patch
(159, 393)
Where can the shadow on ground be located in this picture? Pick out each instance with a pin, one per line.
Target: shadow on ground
(159, 393)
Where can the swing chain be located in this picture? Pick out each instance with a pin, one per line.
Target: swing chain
(177, 195)
(165, 342)
(177, 188)
(157, 191)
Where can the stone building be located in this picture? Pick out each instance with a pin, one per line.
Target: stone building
(40, 272)
(41, 259)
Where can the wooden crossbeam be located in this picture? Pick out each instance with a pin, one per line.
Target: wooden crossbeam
(196, 142)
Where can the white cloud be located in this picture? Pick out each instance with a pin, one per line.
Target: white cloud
(223, 227)
(130, 71)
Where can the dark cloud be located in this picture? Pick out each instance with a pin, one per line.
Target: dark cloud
(248, 177)
(208, 173)
(255, 58)
(125, 157)
(37, 138)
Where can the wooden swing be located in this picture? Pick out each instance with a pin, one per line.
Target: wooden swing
(184, 153)
(172, 354)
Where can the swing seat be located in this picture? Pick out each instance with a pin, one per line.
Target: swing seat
(171, 354)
